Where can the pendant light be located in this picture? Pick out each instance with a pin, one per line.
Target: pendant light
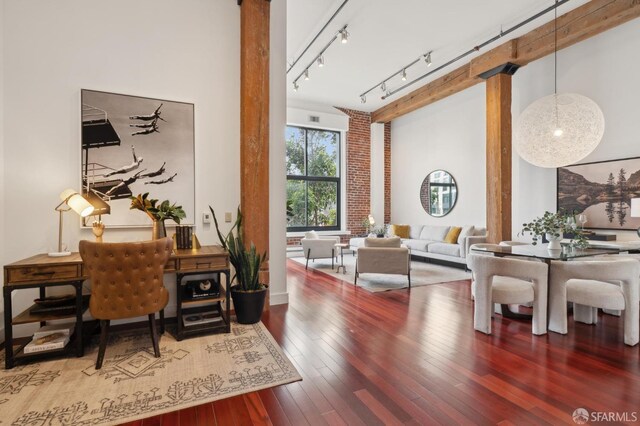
(559, 129)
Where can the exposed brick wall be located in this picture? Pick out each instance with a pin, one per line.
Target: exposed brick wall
(295, 241)
(358, 173)
(387, 172)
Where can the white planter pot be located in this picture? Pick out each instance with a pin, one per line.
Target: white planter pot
(554, 242)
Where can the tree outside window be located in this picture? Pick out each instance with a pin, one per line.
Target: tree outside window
(313, 179)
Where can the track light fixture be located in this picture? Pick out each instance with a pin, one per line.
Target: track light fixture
(402, 72)
(363, 99)
(344, 36)
(295, 86)
(319, 59)
(475, 49)
(427, 59)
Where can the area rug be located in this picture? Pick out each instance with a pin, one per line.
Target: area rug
(421, 274)
(133, 384)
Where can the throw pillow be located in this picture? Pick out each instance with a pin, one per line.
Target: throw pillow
(466, 232)
(452, 235)
(401, 231)
(311, 235)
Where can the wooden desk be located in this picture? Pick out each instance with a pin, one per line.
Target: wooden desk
(41, 271)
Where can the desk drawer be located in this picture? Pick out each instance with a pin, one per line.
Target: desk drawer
(203, 263)
(42, 273)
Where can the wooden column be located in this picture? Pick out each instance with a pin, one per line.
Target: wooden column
(254, 123)
(498, 158)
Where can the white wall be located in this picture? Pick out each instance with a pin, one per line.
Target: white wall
(186, 51)
(448, 135)
(377, 172)
(277, 181)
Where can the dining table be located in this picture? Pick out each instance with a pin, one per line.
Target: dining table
(541, 253)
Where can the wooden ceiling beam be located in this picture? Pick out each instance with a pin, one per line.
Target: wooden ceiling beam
(574, 26)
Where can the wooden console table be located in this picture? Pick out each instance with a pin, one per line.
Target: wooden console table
(41, 271)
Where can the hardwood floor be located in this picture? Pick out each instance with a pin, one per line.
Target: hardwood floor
(413, 357)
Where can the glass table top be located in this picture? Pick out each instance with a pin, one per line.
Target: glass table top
(542, 252)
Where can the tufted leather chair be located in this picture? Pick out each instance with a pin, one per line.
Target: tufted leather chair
(126, 282)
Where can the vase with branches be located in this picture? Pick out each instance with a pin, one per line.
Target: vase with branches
(158, 212)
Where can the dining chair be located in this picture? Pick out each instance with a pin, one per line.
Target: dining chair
(589, 285)
(508, 281)
(126, 282)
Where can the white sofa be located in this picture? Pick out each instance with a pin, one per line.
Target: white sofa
(427, 241)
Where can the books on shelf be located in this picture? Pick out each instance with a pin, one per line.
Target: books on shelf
(201, 318)
(47, 343)
(45, 330)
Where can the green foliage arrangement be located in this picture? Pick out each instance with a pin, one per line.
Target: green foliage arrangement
(555, 224)
(246, 262)
(161, 212)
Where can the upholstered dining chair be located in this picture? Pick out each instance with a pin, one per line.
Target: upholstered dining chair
(126, 282)
(507, 281)
(612, 284)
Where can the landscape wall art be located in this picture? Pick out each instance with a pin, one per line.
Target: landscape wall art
(602, 191)
(133, 145)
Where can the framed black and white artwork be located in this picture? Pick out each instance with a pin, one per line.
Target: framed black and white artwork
(132, 145)
(602, 191)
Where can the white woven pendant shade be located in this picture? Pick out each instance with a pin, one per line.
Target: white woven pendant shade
(550, 136)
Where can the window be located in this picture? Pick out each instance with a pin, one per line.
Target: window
(313, 179)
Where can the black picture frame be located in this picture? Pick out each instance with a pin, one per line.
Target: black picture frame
(588, 188)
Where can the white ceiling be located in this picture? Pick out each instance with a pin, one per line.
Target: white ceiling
(387, 35)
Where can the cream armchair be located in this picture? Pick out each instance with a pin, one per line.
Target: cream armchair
(320, 248)
(383, 256)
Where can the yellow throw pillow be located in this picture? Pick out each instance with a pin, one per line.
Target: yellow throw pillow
(452, 235)
(401, 231)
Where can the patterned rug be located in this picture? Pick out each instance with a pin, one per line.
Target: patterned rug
(133, 384)
(421, 274)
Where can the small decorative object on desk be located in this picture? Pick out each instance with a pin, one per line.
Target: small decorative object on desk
(157, 213)
(183, 237)
(552, 226)
(202, 288)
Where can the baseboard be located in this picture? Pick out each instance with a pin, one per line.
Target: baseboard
(279, 298)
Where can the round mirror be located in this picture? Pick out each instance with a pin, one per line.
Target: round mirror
(438, 193)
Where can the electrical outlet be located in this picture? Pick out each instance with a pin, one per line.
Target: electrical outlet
(227, 217)
(206, 218)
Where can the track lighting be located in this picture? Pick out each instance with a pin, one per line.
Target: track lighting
(363, 99)
(319, 58)
(404, 74)
(383, 86)
(344, 36)
(427, 59)
(295, 86)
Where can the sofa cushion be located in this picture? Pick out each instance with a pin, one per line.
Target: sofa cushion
(401, 231)
(452, 235)
(445, 248)
(434, 233)
(382, 242)
(419, 245)
(466, 231)
(414, 231)
(479, 231)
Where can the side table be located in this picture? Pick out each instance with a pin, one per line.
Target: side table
(342, 247)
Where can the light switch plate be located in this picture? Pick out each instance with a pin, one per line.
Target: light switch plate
(206, 217)
(227, 217)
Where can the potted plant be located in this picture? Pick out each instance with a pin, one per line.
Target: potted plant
(247, 292)
(157, 213)
(553, 226)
